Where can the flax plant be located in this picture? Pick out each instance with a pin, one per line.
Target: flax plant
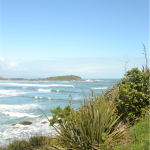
(94, 126)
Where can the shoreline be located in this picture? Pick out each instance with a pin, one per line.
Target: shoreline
(43, 80)
(56, 78)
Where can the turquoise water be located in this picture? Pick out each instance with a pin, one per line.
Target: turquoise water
(20, 100)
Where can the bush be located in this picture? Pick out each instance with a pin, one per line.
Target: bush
(36, 141)
(133, 94)
(58, 112)
(19, 145)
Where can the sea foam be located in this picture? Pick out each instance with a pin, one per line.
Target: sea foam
(100, 88)
(49, 90)
(18, 107)
(18, 115)
(44, 90)
(4, 93)
(8, 133)
(36, 85)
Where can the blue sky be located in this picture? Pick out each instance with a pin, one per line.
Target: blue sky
(91, 39)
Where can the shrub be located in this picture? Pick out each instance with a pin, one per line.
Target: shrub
(58, 112)
(18, 145)
(36, 141)
(133, 94)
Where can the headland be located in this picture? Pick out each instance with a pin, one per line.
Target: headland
(56, 78)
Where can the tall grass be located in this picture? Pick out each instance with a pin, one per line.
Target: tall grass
(137, 137)
(94, 126)
(37, 142)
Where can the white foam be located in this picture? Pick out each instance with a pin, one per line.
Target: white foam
(49, 98)
(44, 90)
(18, 107)
(100, 88)
(18, 115)
(99, 80)
(38, 97)
(88, 80)
(10, 93)
(37, 85)
(9, 133)
(57, 90)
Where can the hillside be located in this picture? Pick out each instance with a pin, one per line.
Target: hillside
(57, 78)
(65, 78)
(2, 78)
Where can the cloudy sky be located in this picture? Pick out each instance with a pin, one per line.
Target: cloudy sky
(91, 39)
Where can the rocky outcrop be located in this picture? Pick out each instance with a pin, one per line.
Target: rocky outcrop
(25, 123)
(28, 123)
(13, 124)
(44, 122)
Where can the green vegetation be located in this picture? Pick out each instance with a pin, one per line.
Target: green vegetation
(65, 78)
(58, 112)
(137, 137)
(94, 126)
(2, 78)
(133, 94)
(34, 143)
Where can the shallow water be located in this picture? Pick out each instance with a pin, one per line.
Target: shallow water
(20, 100)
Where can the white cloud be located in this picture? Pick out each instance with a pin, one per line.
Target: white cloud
(13, 65)
(2, 59)
(8, 65)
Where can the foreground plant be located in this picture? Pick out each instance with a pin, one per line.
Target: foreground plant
(133, 101)
(94, 126)
(37, 142)
(59, 112)
(133, 94)
(137, 137)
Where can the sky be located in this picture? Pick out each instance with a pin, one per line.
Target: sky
(90, 39)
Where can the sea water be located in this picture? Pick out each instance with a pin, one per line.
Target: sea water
(30, 100)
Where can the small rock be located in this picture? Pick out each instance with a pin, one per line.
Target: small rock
(25, 123)
(13, 124)
(44, 122)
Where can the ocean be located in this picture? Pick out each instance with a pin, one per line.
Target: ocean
(24, 100)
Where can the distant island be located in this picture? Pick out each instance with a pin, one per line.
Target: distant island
(65, 78)
(57, 78)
